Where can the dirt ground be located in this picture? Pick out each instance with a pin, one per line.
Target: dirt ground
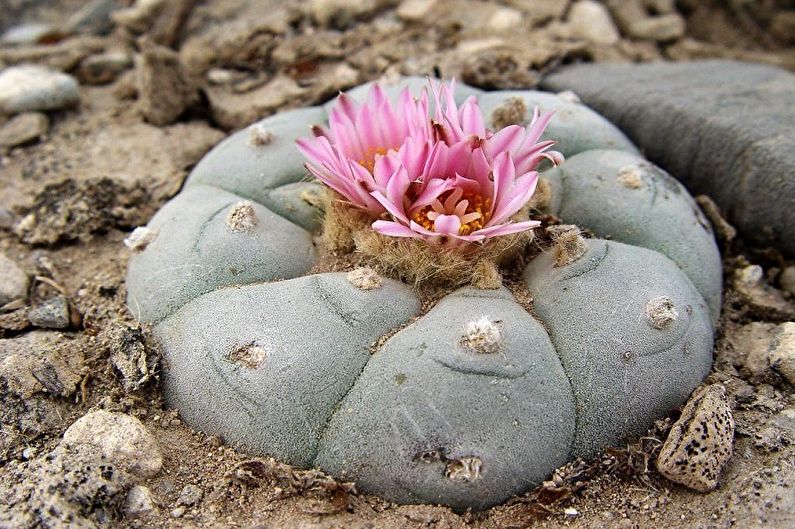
(68, 199)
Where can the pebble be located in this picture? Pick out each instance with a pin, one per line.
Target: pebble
(504, 19)
(787, 279)
(104, 67)
(92, 18)
(591, 21)
(700, 442)
(32, 33)
(782, 351)
(414, 10)
(764, 300)
(27, 88)
(122, 439)
(139, 502)
(637, 23)
(165, 89)
(51, 314)
(190, 495)
(340, 12)
(13, 281)
(7, 218)
(23, 128)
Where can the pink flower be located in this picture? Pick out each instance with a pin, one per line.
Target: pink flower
(446, 179)
(475, 203)
(344, 157)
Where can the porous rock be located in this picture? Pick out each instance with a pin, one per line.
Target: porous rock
(654, 212)
(700, 442)
(625, 374)
(723, 128)
(72, 487)
(13, 281)
(122, 439)
(431, 421)
(29, 88)
(195, 252)
(575, 127)
(315, 332)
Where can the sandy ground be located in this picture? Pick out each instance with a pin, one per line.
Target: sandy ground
(116, 158)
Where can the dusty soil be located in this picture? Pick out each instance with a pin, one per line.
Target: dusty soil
(69, 200)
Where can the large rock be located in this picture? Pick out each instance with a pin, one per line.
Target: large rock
(465, 407)
(724, 128)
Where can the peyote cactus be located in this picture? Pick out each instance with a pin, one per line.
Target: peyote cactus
(469, 403)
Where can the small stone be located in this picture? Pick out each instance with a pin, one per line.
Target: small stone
(787, 279)
(749, 348)
(92, 18)
(139, 502)
(241, 218)
(13, 281)
(630, 177)
(165, 90)
(23, 128)
(105, 67)
(504, 19)
(27, 88)
(130, 356)
(782, 351)
(32, 33)
(591, 21)
(259, 135)
(365, 278)
(637, 23)
(414, 10)
(190, 495)
(121, 438)
(178, 512)
(340, 13)
(483, 336)
(54, 313)
(661, 313)
(140, 238)
(7, 218)
(761, 298)
(571, 512)
(700, 442)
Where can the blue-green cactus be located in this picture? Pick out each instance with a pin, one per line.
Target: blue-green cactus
(468, 404)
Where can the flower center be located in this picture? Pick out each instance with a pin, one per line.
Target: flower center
(472, 210)
(368, 161)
